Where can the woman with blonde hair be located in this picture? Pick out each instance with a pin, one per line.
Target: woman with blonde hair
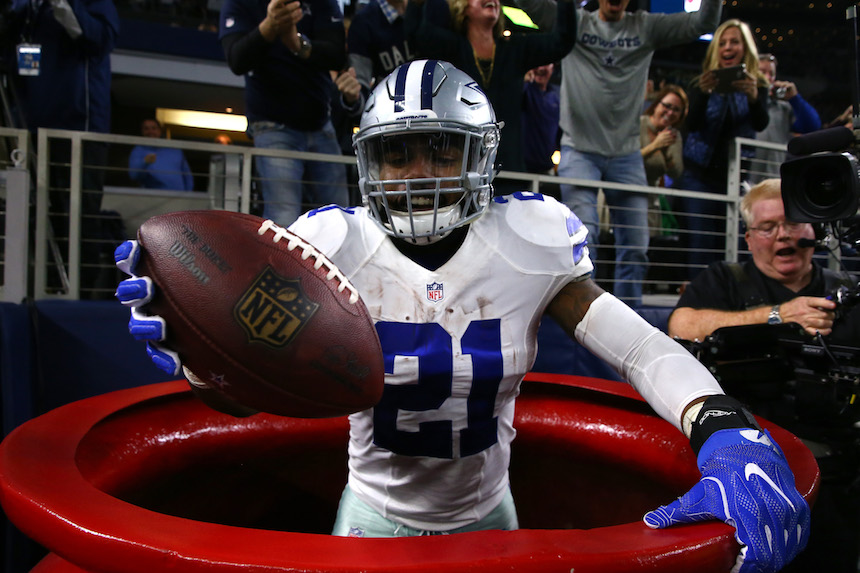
(471, 35)
(717, 116)
(459, 19)
(739, 34)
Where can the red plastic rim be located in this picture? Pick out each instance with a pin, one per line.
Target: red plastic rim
(56, 472)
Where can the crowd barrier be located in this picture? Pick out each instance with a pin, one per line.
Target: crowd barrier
(225, 179)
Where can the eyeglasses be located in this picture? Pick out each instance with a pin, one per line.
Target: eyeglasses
(768, 230)
(671, 107)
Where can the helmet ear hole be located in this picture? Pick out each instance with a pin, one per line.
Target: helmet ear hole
(491, 139)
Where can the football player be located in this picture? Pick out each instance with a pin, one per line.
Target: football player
(457, 282)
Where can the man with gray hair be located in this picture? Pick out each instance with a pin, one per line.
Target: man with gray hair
(781, 283)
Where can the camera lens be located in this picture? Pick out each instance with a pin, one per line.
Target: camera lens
(780, 92)
(822, 187)
(825, 188)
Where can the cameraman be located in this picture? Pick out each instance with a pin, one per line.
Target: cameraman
(780, 284)
(783, 284)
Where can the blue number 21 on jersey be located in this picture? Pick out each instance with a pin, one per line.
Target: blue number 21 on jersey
(430, 346)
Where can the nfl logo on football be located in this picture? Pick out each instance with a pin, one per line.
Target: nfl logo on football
(435, 292)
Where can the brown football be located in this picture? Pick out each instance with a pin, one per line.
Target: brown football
(259, 315)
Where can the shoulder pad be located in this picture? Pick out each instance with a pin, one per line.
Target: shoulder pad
(543, 221)
(538, 234)
(325, 228)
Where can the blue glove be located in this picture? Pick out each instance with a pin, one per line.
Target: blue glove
(746, 482)
(135, 292)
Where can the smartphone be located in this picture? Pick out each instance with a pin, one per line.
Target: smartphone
(726, 76)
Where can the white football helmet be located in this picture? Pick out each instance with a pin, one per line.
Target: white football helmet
(426, 148)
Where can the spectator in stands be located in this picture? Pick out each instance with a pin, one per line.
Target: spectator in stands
(285, 51)
(470, 37)
(541, 100)
(783, 283)
(716, 118)
(659, 138)
(346, 108)
(159, 167)
(376, 42)
(661, 147)
(347, 105)
(64, 83)
(603, 87)
(789, 113)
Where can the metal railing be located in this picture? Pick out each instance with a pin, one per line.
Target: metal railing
(54, 264)
(14, 199)
(677, 269)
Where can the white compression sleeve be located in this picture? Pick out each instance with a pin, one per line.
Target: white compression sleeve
(660, 369)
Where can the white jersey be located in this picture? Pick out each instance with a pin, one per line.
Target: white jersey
(434, 453)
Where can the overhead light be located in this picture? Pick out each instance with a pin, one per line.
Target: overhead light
(202, 119)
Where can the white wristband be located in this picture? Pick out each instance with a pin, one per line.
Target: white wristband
(690, 417)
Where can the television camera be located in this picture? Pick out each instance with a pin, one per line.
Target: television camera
(807, 384)
(821, 178)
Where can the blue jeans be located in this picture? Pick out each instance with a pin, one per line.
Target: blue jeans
(628, 210)
(705, 221)
(287, 183)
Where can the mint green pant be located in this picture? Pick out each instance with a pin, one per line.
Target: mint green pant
(357, 519)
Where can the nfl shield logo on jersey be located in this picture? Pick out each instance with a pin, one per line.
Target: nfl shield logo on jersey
(435, 292)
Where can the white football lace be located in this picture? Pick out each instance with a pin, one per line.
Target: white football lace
(309, 251)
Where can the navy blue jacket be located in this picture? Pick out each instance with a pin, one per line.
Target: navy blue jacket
(280, 87)
(540, 126)
(72, 90)
(372, 36)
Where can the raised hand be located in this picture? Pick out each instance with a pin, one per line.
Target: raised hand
(665, 138)
(708, 82)
(347, 84)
